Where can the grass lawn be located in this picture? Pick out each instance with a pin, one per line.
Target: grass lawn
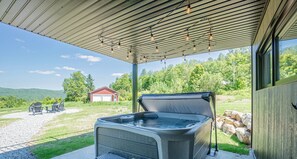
(4, 122)
(68, 132)
(4, 111)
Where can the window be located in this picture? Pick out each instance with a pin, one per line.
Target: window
(265, 67)
(287, 41)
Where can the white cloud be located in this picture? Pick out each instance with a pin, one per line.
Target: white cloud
(58, 75)
(65, 56)
(89, 58)
(19, 40)
(47, 72)
(68, 68)
(117, 74)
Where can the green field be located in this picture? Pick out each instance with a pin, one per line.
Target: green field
(69, 132)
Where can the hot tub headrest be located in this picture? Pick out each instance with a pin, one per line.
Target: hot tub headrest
(186, 103)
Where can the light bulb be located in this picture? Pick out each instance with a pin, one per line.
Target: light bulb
(188, 10)
(152, 37)
(184, 57)
(119, 45)
(157, 49)
(208, 47)
(210, 37)
(127, 57)
(140, 59)
(111, 49)
(101, 44)
(187, 37)
(194, 47)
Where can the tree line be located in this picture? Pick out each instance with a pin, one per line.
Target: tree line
(229, 72)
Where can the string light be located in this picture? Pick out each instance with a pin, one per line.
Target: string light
(188, 9)
(187, 36)
(140, 59)
(119, 45)
(194, 47)
(111, 50)
(101, 44)
(127, 57)
(157, 49)
(152, 36)
(184, 57)
(209, 46)
(210, 37)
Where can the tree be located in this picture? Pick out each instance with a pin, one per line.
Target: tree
(194, 84)
(123, 85)
(90, 83)
(75, 87)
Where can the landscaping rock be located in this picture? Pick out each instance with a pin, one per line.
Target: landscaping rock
(220, 124)
(221, 118)
(238, 124)
(228, 120)
(238, 116)
(243, 135)
(227, 113)
(233, 114)
(228, 129)
(247, 120)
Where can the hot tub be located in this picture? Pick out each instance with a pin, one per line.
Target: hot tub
(173, 126)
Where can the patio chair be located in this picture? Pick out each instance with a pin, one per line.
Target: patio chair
(61, 106)
(56, 107)
(36, 108)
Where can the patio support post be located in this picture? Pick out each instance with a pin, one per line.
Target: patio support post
(134, 86)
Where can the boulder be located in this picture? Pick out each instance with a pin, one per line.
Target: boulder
(228, 120)
(221, 118)
(220, 124)
(243, 135)
(238, 116)
(228, 129)
(227, 113)
(238, 124)
(247, 120)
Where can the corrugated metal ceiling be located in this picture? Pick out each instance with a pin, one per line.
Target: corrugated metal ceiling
(83, 22)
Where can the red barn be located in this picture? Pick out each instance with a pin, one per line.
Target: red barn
(104, 94)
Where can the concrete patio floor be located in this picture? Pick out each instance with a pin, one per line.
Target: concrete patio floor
(88, 153)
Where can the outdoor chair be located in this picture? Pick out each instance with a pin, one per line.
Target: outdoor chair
(36, 108)
(61, 106)
(56, 107)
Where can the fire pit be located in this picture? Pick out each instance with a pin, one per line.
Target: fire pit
(172, 126)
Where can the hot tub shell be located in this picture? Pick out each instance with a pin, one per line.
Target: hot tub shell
(114, 135)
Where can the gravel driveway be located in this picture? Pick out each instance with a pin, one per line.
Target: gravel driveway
(16, 137)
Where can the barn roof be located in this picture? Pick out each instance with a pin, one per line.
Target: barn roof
(88, 23)
(102, 88)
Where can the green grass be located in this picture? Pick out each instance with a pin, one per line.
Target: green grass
(69, 132)
(4, 111)
(230, 143)
(243, 106)
(4, 121)
(7, 121)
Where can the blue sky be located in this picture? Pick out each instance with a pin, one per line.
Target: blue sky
(32, 61)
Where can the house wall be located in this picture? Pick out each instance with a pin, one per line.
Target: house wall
(104, 91)
(274, 132)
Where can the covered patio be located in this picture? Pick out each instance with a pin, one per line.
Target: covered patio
(140, 31)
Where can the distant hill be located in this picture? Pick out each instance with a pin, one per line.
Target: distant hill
(32, 93)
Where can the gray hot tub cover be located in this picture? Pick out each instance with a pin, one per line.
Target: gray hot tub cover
(201, 103)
